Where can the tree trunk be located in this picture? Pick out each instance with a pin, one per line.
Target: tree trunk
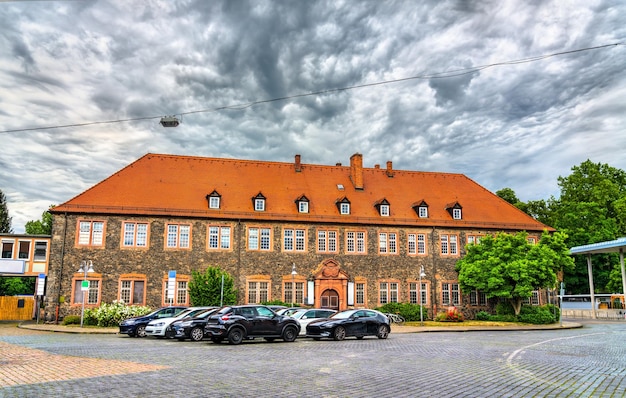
(517, 305)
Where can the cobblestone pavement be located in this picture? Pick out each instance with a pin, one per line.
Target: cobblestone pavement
(584, 362)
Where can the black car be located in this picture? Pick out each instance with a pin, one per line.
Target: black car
(357, 323)
(136, 326)
(190, 328)
(240, 322)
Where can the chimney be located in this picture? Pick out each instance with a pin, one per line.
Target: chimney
(298, 164)
(356, 170)
(389, 169)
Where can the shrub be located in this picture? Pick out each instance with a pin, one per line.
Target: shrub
(536, 315)
(279, 302)
(482, 316)
(72, 320)
(410, 312)
(554, 310)
(451, 315)
(502, 318)
(505, 308)
(108, 315)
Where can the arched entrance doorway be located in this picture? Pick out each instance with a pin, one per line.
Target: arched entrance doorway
(331, 286)
(330, 299)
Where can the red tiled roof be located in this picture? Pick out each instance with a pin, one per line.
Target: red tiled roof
(169, 185)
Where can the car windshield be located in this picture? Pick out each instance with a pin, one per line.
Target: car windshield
(343, 314)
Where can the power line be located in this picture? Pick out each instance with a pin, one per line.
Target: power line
(437, 75)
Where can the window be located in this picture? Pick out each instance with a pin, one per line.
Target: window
(259, 204)
(473, 239)
(456, 214)
(7, 249)
(219, 238)
(214, 202)
(326, 241)
(416, 243)
(532, 240)
(345, 208)
(23, 251)
(90, 233)
(422, 211)
(384, 210)
(258, 292)
(133, 289)
(449, 246)
(388, 292)
(259, 239)
(359, 297)
(41, 250)
(92, 296)
(135, 234)
(181, 292)
(478, 298)
(288, 287)
(294, 240)
(450, 294)
(355, 242)
(414, 293)
(387, 243)
(178, 236)
(533, 299)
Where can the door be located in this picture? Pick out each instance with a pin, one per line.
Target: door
(330, 299)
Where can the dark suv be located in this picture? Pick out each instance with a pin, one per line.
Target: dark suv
(240, 322)
(136, 326)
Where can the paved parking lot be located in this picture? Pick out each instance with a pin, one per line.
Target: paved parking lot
(586, 362)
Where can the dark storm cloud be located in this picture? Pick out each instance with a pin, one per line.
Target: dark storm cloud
(518, 126)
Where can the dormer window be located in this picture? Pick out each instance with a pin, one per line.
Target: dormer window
(383, 208)
(259, 202)
(302, 204)
(343, 205)
(455, 210)
(421, 208)
(214, 199)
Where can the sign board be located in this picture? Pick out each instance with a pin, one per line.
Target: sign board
(8, 266)
(41, 283)
(84, 285)
(171, 284)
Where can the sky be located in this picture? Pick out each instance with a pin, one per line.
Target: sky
(428, 85)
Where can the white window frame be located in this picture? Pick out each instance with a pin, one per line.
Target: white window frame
(258, 292)
(90, 233)
(387, 243)
(218, 237)
(355, 242)
(214, 202)
(344, 208)
(423, 211)
(259, 239)
(384, 210)
(135, 234)
(457, 214)
(259, 204)
(303, 206)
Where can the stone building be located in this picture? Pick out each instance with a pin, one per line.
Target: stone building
(326, 236)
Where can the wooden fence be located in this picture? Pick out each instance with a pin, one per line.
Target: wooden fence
(16, 308)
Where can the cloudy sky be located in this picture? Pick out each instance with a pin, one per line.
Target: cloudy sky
(213, 63)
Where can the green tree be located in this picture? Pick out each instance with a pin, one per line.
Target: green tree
(508, 266)
(41, 227)
(12, 286)
(591, 209)
(509, 195)
(5, 220)
(205, 288)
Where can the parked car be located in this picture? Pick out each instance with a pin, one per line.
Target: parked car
(285, 311)
(357, 323)
(190, 328)
(240, 322)
(136, 326)
(307, 315)
(157, 327)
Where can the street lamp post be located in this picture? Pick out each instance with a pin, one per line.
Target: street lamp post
(422, 275)
(85, 268)
(293, 283)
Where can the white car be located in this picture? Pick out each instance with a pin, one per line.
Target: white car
(307, 315)
(157, 327)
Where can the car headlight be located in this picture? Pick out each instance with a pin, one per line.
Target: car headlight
(128, 322)
(158, 324)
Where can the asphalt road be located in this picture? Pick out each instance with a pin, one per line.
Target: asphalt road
(585, 362)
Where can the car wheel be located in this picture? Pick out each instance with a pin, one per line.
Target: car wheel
(196, 334)
(340, 333)
(290, 334)
(235, 336)
(141, 331)
(216, 340)
(383, 332)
